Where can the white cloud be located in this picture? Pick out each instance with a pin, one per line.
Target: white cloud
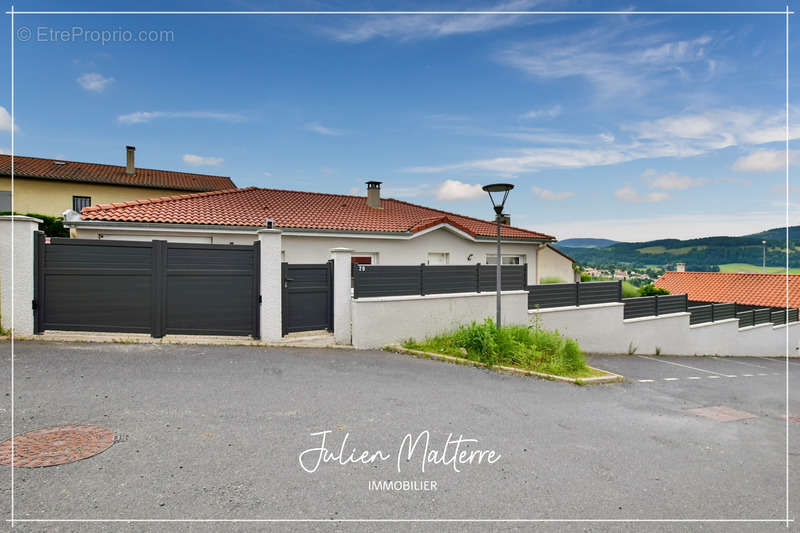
(5, 150)
(671, 181)
(413, 27)
(673, 226)
(611, 60)
(549, 195)
(93, 81)
(631, 195)
(452, 190)
(764, 161)
(316, 127)
(682, 135)
(548, 112)
(268, 174)
(198, 160)
(5, 120)
(140, 117)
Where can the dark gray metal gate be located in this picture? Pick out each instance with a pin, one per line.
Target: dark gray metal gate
(146, 287)
(307, 297)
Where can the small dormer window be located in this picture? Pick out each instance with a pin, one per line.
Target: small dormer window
(79, 202)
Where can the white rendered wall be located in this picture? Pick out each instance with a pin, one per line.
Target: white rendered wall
(22, 285)
(271, 281)
(377, 322)
(553, 265)
(601, 329)
(316, 249)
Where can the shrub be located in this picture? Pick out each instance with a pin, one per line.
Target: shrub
(586, 277)
(529, 347)
(551, 279)
(51, 226)
(652, 290)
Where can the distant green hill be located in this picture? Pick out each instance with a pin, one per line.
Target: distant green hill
(587, 243)
(698, 254)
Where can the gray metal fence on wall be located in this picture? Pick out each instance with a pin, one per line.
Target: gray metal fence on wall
(712, 312)
(655, 305)
(569, 294)
(406, 280)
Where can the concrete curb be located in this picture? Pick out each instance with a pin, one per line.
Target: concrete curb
(611, 378)
(197, 340)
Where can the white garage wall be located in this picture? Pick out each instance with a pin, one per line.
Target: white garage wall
(601, 329)
(553, 264)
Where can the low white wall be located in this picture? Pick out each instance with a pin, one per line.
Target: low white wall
(377, 322)
(601, 329)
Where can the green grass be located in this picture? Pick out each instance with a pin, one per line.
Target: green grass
(551, 279)
(526, 347)
(628, 290)
(745, 267)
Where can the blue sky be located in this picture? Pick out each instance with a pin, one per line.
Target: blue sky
(627, 127)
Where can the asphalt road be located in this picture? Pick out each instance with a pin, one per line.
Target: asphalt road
(216, 432)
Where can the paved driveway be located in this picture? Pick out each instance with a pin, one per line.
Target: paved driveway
(215, 432)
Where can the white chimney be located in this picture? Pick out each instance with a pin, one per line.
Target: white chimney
(374, 194)
(680, 267)
(130, 168)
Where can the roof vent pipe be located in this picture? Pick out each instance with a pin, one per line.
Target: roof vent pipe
(374, 194)
(130, 168)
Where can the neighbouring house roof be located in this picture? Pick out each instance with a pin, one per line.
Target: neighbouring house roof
(252, 206)
(768, 290)
(61, 170)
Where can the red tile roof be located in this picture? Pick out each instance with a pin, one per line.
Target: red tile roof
(294, 209)
(52, 169)
(768, 290)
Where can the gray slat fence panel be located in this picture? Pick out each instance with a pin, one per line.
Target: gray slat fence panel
(639, 307)
(404, 280)
(746, 318)
(793, 315)
(761, 316)
(552, 295)
(598, 292)
(724, 311)
(672, 303)
(700, 314)
(97, 286)
(778, 317)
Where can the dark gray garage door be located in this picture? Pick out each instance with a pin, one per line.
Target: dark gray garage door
(146, 287)
(307, 297)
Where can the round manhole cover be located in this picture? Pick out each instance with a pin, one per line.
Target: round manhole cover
(56, 446)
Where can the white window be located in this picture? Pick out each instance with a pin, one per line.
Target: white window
(507, 259)
(438, 258)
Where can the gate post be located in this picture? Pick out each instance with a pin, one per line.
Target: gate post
(271, 282)
(20, 316)
(341, 294)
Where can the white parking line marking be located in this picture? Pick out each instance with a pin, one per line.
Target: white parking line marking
(760, 374)
(780, 360)
(645, 381)
(671, 379)
(713, 377)
(730, 360)
(747, 375)
(684, 366)
(694, 377)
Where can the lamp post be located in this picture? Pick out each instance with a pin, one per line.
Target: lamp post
(764, 257)
(495, 191)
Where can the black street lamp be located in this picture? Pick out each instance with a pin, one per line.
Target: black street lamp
(495, 191)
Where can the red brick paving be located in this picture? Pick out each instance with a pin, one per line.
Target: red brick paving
(56, 445)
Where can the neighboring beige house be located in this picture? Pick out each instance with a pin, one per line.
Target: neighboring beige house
(52, 186)
(379, 231)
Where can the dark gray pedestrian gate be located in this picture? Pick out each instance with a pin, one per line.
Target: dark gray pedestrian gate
(307, 297)
(146, 287)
